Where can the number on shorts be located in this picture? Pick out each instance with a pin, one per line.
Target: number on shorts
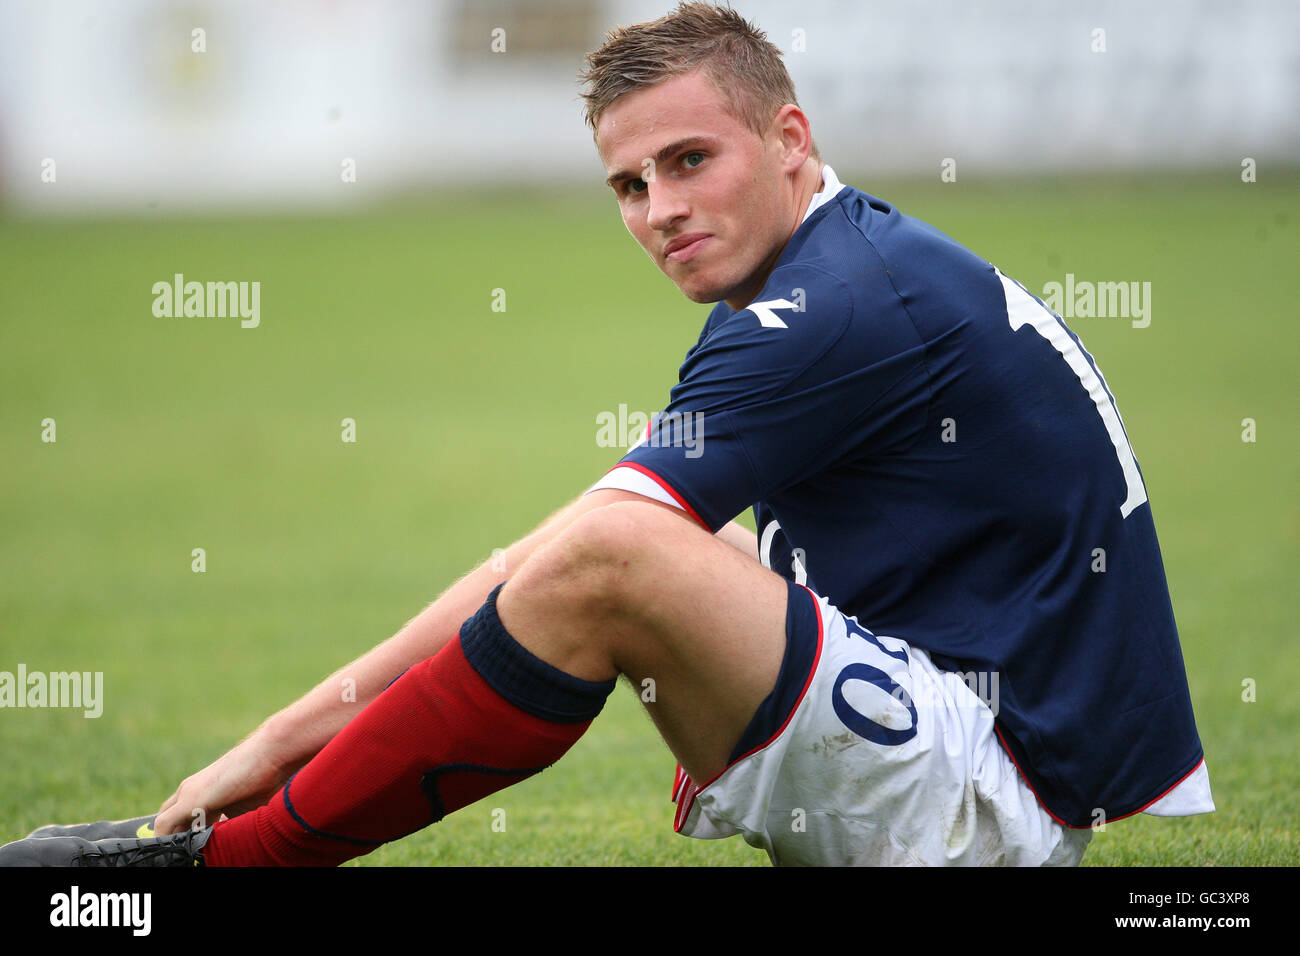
(859, 723)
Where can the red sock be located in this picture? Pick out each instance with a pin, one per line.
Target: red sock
(480, 715)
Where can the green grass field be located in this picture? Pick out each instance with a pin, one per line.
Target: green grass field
(473, 424)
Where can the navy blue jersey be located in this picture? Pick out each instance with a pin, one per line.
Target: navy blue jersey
(925, 444)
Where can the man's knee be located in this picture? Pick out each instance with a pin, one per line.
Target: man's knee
(606, 559)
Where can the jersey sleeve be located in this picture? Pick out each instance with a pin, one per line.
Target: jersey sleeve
(764, 399)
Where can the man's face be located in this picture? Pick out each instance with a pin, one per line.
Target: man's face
(698, 189)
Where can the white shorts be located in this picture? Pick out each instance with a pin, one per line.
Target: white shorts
(884, 760)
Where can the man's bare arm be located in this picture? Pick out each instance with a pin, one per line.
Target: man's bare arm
(250, 773)
(740, 538)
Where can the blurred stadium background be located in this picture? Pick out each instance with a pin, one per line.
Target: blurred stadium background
(422, 93)
(412, 185)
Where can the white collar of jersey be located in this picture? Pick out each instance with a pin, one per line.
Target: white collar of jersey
(831, 187)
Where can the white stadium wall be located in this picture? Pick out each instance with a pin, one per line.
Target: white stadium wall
(114, 105)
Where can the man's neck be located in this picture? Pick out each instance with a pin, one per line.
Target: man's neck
(808, 183)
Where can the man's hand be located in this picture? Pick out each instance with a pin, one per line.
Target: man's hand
(250, 774)
(244, 778)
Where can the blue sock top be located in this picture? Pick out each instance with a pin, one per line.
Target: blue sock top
(522, 677)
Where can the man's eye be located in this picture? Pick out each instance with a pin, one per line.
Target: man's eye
(691, 160)
(635, 186)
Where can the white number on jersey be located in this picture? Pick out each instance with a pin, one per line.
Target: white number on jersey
(1024, 309)
(765, 554)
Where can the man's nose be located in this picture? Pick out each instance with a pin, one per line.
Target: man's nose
(666, 205)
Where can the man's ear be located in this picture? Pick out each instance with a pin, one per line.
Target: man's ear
(792, 126)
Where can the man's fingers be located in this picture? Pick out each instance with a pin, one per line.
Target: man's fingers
(173, 821)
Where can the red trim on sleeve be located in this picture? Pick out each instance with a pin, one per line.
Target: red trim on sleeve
(666, 487)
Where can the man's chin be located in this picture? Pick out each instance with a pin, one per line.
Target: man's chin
(702, 294)
(703, 298)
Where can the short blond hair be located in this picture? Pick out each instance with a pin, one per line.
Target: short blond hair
(743, 65)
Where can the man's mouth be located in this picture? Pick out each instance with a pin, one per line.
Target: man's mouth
(684, 248)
